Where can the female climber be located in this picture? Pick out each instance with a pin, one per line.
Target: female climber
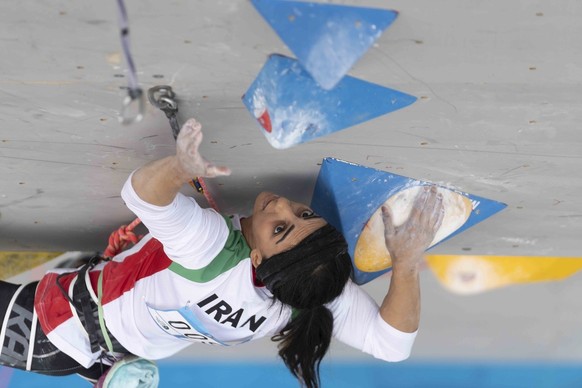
(199, 276)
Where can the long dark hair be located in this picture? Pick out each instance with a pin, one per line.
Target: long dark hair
(307, 277)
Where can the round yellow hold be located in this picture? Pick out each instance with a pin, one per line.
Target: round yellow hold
(467, 275)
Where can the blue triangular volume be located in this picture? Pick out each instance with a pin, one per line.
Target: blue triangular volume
(326, 38)
(347, 194)
(293, 109)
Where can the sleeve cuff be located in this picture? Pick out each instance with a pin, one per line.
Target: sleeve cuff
(389, 343)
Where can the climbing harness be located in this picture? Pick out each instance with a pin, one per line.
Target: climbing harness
(90, 313)
(81, 298)
(134, 92)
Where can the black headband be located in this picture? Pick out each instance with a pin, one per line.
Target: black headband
(322, 245)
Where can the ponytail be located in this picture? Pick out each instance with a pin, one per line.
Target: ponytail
(306, 277)
(304, 342)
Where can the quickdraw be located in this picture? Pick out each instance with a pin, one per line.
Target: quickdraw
(164, 98)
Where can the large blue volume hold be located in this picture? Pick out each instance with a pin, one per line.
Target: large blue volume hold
(292, 108)
(326, 38)
(347, 194)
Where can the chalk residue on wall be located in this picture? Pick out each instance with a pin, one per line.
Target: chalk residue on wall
(288, 123)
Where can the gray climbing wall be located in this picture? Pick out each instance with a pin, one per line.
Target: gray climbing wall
(498, 86)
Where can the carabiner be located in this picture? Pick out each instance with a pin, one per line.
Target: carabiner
(162, 93)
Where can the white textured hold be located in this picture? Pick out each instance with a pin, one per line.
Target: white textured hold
(371, 254)
(456, 210)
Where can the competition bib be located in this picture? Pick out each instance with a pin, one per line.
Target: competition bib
(184, 324)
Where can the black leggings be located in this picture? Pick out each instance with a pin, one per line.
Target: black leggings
(17, 332)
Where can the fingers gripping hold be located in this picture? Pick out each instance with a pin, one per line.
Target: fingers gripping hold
(428, 204)
(421, 202)
(438, 213)
(407, 242)
(389, 228)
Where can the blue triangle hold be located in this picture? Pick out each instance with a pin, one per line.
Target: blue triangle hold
(326, 38)
(348, 194)
(292, 108)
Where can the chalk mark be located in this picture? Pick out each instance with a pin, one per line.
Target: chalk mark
(511, 169)
(173, 79)
(147, 137)
(38, 193)
(423, 137)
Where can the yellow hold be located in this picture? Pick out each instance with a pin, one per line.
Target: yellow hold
(474, 274)
(14, 263)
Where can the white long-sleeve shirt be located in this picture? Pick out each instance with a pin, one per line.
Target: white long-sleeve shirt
(191, 280)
